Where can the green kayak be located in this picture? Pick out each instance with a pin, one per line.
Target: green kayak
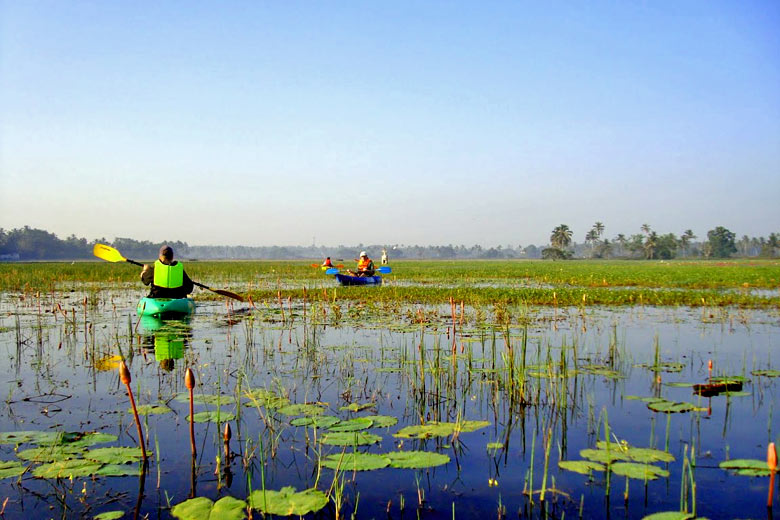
(166, 307)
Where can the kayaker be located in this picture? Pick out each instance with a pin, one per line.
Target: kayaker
(167, 276)
(365, 266)
(327, 263)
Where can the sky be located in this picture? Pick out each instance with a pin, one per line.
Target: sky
(438, 122)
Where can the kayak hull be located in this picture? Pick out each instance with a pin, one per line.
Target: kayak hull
(166, 307)
(345, 279)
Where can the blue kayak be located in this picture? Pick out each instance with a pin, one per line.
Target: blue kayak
(346, 279)
(166, 307)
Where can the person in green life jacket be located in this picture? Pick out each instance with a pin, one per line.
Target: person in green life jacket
(166, 277)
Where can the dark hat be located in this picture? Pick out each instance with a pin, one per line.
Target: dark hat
(166, 251)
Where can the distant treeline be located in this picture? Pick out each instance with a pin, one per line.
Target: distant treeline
(36, 244)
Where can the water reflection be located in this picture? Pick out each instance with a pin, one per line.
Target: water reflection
(167, 339)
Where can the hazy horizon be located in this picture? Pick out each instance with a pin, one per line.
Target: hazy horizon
(265, 123)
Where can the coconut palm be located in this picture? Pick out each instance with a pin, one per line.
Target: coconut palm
(622, 241)
(561, 236)
(651, 245)
(645, 229)
(598, 227)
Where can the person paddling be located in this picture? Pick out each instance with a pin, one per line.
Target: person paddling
(167, 277)
(365, 266)
(327, 263)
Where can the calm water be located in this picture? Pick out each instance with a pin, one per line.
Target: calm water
(59, 375)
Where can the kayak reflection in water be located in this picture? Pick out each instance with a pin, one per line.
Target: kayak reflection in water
(167, 277)
(365, 266)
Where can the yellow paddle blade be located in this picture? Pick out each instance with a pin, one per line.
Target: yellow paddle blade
(107, 253)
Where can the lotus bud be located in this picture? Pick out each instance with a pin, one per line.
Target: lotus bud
(227, 433)
(124, 373)
(771, 457)
(709, 365)
(189, 379)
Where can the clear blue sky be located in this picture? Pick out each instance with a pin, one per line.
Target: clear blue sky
(261, 123)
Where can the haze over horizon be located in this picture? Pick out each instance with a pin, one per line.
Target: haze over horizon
(260, 123)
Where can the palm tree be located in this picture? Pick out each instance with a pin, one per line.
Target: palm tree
(598, 227)
(651, 244)
(645, 229)
(591, 237)
(622, 241)
(561, 236)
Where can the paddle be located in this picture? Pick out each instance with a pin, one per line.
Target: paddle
(384, 270)
(110, 254)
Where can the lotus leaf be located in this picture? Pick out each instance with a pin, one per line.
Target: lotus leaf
(212, 416)
(581, 466)
(355, 461)
(51, 453)
(638, 471)
(416, 459)
(286, 501)
(747, 467)
(265, 398)
(151, 409)
(350, 438)
(301, 409)
(202, 508)
(321, 421)
(115, 455)
(352, 425)
(91, 439)
(382, 421)
(67, 469)
(11, 468)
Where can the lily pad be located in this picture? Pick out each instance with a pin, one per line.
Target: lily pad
(425, 431)
(586, 467)
(51, 453)
(200, 508)
(354, 407)
(11, 468)
(638, 471)
(355, 461)
(602, 456)
(212, 399)
(115, 455)
(32, 437)
(266, 398)
(766, 373)
(669, 515)
(302, 409)
(286, 501)
(643, 455)
(350, 438)
(212, 416)
(320, 421)
(352, 425)
(382, 421)
(471, 426)
(746, 467)
(151, 409)
(110, 515)
(118, 470)
(90, 439)
(67, 469)
(671, 407)
(416, 459)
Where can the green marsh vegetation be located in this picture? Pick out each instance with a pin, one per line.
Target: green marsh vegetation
(448, 391)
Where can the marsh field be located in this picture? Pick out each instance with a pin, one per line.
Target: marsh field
(504, 389)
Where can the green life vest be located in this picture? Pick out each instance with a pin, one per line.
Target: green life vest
(168, 276)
